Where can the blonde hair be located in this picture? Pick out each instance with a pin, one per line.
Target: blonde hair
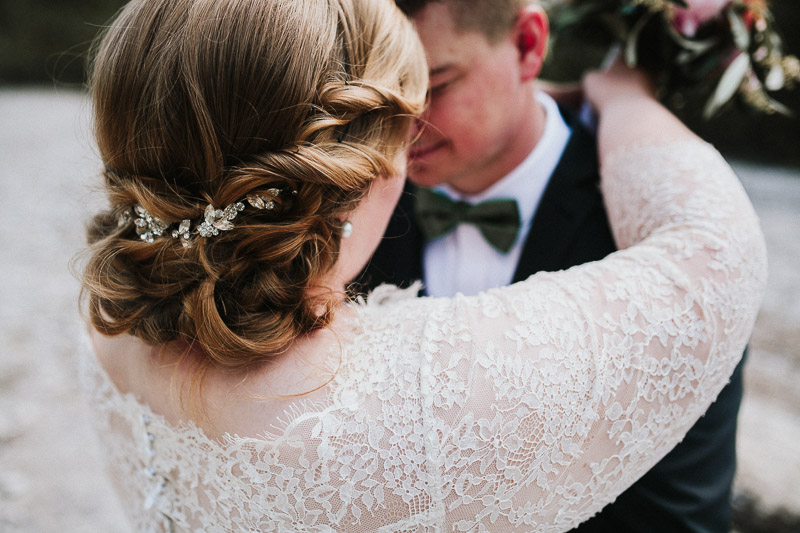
(202, 102)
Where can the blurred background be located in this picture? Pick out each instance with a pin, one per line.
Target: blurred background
(50, 473)
(45, 42)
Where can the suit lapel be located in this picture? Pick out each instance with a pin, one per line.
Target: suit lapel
(571, 195)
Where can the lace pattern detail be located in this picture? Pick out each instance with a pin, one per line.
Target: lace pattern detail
(525, 408)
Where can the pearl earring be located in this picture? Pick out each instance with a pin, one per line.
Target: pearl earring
(347, 229)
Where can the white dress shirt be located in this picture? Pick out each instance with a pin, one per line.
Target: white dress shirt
(462, 261)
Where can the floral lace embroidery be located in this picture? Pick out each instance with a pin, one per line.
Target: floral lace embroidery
(525, 408)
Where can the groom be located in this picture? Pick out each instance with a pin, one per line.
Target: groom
(491, 138)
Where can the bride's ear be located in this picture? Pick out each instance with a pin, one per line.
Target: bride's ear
(530, 34)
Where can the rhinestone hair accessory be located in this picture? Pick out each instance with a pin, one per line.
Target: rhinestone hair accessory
(214, 220)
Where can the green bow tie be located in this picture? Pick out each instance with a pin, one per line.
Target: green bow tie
(497, 220)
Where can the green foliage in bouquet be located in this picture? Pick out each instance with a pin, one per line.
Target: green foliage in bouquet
(721, 50)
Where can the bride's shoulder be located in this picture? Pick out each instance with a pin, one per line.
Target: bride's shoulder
(143, 371)
(404, 311)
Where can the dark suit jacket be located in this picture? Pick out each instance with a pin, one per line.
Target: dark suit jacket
(690, 489)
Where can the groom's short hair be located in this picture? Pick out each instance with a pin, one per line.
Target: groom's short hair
(493, 18)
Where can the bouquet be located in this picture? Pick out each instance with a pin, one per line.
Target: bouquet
(720, 50)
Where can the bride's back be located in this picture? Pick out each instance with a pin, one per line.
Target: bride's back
(242, 402)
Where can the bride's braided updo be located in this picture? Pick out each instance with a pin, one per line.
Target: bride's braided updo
(204, 102)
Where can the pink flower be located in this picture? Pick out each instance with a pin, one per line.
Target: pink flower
(688, 20)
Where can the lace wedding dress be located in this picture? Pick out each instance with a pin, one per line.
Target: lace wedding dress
(525, 408)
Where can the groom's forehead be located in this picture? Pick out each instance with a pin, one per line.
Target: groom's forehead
(493, 18)
(448, 48)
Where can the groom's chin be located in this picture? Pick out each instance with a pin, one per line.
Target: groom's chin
(424, 175)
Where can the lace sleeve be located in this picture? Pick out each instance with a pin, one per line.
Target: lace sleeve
(526, 408)
(573, 384)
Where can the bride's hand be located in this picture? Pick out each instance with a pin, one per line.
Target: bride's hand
(619, 84)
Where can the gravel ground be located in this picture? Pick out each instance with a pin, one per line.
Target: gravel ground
(50, 473)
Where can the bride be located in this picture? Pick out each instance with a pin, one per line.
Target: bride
(253, 152)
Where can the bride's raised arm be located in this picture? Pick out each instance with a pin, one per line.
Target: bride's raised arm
(573, 384)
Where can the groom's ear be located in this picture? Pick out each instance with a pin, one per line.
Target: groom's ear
(531, 32)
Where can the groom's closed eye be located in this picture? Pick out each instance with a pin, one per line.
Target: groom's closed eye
(441, 78)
